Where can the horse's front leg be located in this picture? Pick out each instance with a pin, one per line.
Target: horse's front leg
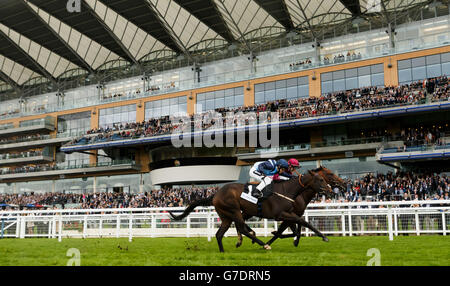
(279, 233)
(298, 234)
(304, 223)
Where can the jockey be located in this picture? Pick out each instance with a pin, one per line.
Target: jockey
(264, 171)
(287, 173)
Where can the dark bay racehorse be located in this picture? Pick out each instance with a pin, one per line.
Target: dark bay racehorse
(229, 205)
(300, 205)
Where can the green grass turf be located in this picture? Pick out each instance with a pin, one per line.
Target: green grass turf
(411, 250)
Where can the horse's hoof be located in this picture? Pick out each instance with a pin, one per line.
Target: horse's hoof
(325, 239)
(238, 245)
(296, 242)
(267, 247)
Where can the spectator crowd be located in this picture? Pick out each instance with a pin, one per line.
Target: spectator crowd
(358, 99)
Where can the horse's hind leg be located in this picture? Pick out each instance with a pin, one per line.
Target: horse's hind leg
(224, 226)
(242, 228)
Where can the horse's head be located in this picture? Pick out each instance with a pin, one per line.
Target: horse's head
(318, 184)
(331, 178)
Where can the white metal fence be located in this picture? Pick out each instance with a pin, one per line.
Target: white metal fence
(349, 219)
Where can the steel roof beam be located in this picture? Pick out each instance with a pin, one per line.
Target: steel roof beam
(81, 59)
(41, 69)
(281, 14)
(11, 82)
(168, 29)
(91, 11)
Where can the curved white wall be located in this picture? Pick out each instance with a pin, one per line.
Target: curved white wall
(187, 174)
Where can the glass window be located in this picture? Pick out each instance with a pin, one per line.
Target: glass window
(327, 87)
(239, 90)
(339, 85)
(303, 91)
(239, 100)
(338, 75)
(404, 75)
(363, 70)
(376, 68)
(364, 81)
(326, 76)
(270, 95)
(433, 59)
(446, 68)
(220, 103)
(351, 73)
(404, 64)
(291, 92)
(378, 79)
(445, 57)
(419, 73)
(269, 86)
(259, 97)
(351, 83)
(281, 93)
(280, 84)
(291, 82)
(259, 87)
(434, 70)
(219, 93)
(418, 62)
(303, 80)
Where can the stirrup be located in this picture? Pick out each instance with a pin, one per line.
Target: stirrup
(257, 193)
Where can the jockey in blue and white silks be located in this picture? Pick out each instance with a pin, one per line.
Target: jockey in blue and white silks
(265, 170)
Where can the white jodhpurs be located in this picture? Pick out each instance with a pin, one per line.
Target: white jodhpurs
(265, 180)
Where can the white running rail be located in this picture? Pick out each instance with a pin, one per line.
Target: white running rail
(343, 219)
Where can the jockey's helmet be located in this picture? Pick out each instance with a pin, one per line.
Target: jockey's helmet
(282, 164)
(293, 162)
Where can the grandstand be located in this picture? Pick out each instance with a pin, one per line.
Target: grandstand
(92, 100)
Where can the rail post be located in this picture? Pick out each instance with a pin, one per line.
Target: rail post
(208, 224)
(343, 223)
(444, 225)
(117, 226)
(3, 228)
(395, 223)
(54, 227)
(350, 225)
(265, 227)
(153, 225)
(84, 226)
(130, 228)
(188, 227)
(101, 226)
(306, 229)
(60, 228)
(22, 227)
(389, 218)
(416, 215)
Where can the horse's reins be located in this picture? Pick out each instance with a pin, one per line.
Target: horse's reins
(299, 181)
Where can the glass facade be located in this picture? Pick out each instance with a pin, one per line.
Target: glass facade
(74, 124)
(165, 107)
(352, 78)
(117, 115)
(420, 68)
(292, 88)
(354, 168)
(226, 98)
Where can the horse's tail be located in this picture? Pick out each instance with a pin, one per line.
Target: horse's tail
(203, 202)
